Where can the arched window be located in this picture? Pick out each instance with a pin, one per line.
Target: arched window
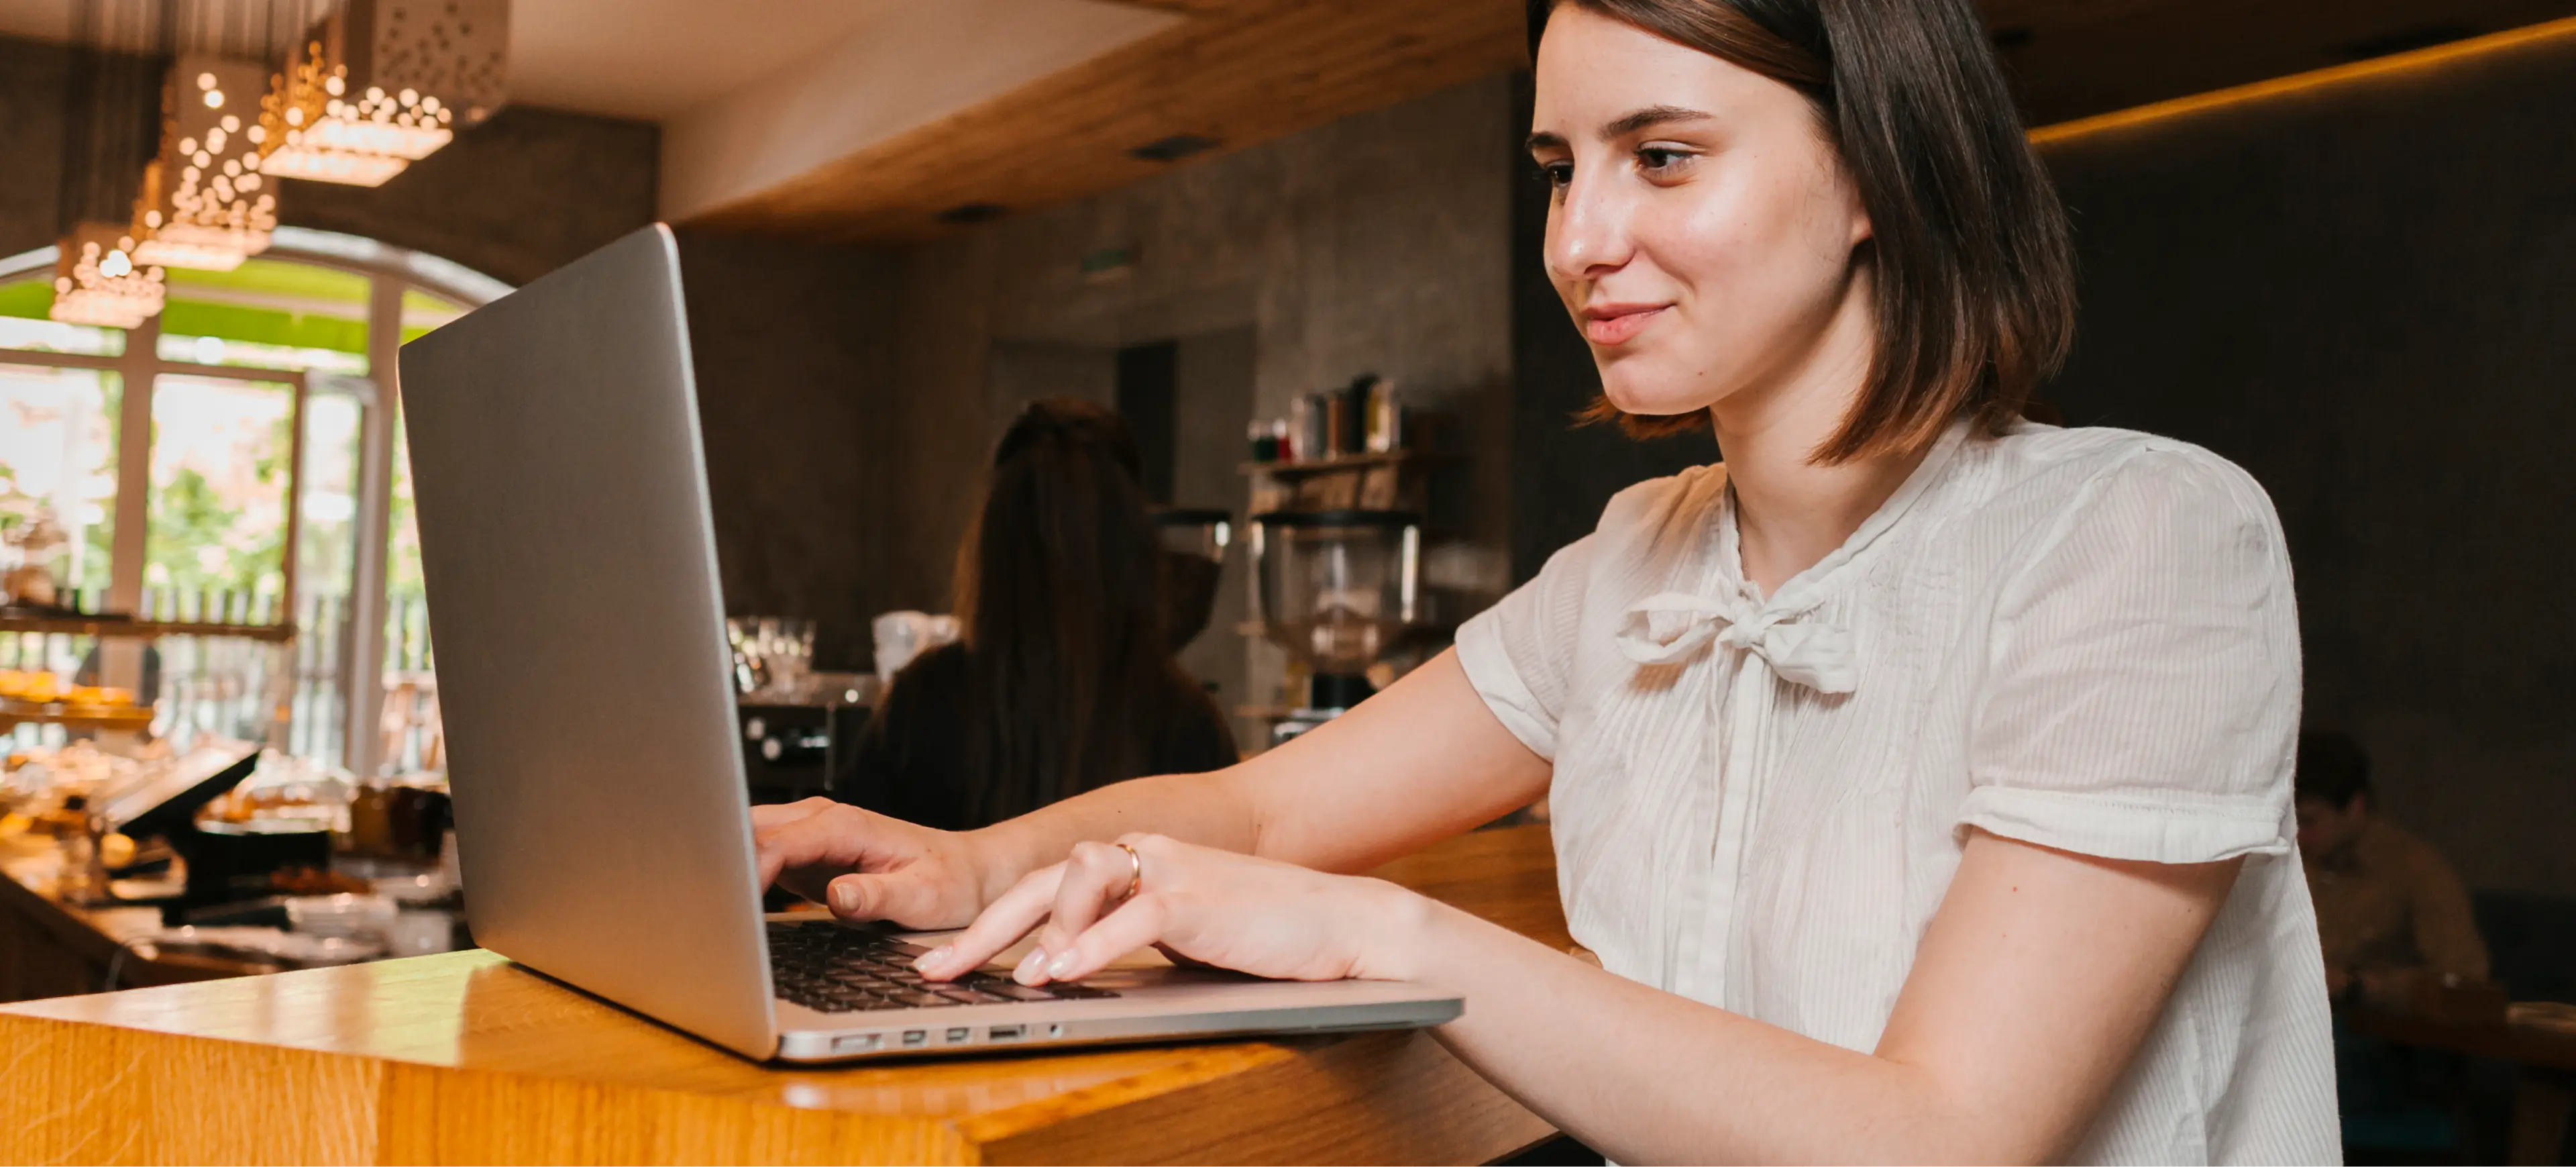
(234, 468)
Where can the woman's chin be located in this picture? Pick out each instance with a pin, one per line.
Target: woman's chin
(1647, 402)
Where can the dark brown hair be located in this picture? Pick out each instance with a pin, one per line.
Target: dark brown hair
(1974, 274)
(1071, 682)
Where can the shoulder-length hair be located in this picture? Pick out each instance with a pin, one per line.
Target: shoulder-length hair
(1974, 273)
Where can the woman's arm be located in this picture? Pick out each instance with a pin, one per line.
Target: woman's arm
(1419, 762)
(2033, 989)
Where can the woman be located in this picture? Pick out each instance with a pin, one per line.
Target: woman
(1920, 775)
(1064, 681)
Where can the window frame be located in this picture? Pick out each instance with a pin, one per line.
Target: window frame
(391, 272)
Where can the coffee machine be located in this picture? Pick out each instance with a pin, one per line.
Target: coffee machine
(1338, 589)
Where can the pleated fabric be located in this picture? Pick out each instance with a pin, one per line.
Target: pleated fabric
(2080, 638)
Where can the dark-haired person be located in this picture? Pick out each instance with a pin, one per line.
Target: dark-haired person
(1063, 680)
(1921, 776)
(2389, 908)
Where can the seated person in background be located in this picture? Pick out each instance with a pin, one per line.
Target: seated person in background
(2389, 909)
(1063, 680)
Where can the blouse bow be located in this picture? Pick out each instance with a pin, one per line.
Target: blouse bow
(1667, 627)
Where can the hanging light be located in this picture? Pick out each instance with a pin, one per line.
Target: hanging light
(205, 203)
(97, 281)
(379, 84)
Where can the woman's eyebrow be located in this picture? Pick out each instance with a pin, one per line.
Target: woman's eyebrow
(1543, 140)
(1653, 115)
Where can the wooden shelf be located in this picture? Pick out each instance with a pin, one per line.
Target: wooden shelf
(1310, 466)
(16, 713)
(141, 629)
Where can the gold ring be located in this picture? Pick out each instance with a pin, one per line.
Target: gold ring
(1137, 881)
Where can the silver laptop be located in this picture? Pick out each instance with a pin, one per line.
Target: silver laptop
(601, 811)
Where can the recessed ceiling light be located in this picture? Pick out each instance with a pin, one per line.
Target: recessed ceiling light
(1174, 148)
(971, 213)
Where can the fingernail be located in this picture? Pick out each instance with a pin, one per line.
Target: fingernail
(1059, 966)
(845, 900)
(936, 958)
(1027, 973)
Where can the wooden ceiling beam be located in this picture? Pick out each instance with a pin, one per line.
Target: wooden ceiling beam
(1246, 72)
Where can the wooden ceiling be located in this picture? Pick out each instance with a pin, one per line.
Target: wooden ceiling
(1240, 72)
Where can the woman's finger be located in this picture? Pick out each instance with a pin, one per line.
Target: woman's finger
(1096, 877)
(901, 897)
(800, 842)
(1138, 922)
(1009, 917)
(767, 818)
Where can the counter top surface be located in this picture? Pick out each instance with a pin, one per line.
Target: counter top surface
(495, 1053)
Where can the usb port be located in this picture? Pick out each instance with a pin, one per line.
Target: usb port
(961, 1033)
(1006, 1033)
(853, 1043)
(914, 1037)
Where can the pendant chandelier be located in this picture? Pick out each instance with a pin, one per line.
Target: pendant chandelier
(98, 283)
(112, 94)
(380, 84)
(205, 203)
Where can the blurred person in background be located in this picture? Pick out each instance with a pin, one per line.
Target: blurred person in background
(1064, 679)
(2390, 911)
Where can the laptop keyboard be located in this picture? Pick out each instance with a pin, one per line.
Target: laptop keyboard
(833, 969)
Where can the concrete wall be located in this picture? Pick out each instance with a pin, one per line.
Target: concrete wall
(792, 356)
(1376, 243)
(516, 197)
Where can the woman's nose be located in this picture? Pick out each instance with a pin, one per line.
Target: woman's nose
(1587, 231)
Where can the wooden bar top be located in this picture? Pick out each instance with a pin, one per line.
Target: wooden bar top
(466, 1057)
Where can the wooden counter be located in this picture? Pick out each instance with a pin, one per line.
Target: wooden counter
(468, 1058)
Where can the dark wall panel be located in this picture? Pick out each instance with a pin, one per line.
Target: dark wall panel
(2366, 295)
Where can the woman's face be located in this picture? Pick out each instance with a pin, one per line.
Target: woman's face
(1701, 229)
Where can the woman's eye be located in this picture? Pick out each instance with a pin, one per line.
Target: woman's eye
(1559, 174)
(1658, 160)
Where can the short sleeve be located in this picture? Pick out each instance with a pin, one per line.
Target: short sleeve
(1520, 652)
(2142, 694)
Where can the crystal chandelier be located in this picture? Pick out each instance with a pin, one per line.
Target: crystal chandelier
(379, 84)
(98, 283)
(205, 203)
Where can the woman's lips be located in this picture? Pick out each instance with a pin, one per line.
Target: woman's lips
(1611, 324)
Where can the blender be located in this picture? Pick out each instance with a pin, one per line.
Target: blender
(1337, 589)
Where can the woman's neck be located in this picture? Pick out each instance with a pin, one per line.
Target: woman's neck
(1789, 511)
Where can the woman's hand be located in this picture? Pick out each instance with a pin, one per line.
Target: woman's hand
(866, 866)
(1215, 907)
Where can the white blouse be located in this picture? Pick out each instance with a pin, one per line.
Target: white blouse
(2084, 639)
